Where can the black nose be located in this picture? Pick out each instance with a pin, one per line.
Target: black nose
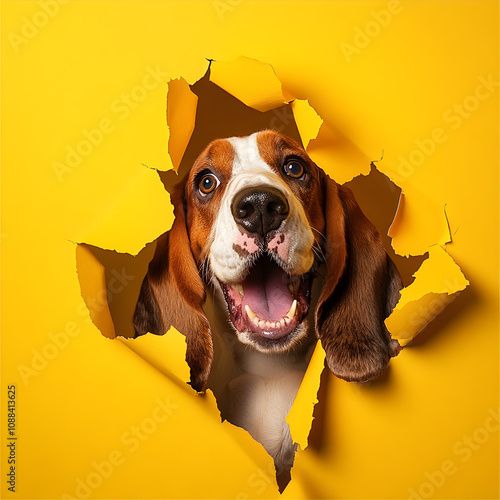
(260, 210)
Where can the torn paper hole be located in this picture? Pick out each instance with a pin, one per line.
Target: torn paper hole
(238, 99)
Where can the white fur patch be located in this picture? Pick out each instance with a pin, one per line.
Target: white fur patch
(247, 156)
(250, 170)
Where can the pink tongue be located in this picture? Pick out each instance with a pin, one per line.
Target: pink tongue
(265, 291)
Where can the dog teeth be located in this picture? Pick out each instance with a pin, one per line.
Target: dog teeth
(250, 313)
(238, 288)
(291, 312)
(264, 324)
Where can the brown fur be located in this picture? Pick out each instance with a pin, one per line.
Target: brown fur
(361, 286)
(173, 294)
(219, 156)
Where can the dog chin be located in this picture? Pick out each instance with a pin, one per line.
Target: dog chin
(270, 343)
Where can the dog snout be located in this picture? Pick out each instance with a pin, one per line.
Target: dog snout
(259, 211)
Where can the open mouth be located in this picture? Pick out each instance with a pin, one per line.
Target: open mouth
(269, 303)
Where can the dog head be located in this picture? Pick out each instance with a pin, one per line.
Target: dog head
(256, 216)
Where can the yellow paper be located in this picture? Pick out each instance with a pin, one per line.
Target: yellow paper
(181, 112)
(436, 282)
(307, 119)
(251, 81)
(418, 304)
(300, 416)
(77, 72)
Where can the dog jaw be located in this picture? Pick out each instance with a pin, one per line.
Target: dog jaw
(268, 306)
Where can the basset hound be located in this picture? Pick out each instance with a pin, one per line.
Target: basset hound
(254, 220)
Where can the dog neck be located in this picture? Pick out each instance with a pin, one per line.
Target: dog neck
(256, 390)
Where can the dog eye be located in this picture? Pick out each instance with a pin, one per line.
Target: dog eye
(207, 184)
(294, 169)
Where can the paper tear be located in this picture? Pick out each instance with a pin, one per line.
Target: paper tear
(181, 114)
(300, 417)
(448, 237)
(249, 80)
(417, 227)
(105, 230)
(436, 282)
(337, 155)
(419, 224)
(91, 275)
(110, 284)
(307, 119)
(378, 198)
(166, 353)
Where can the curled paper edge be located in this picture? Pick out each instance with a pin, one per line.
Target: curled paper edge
(436, 284)
(256, 85)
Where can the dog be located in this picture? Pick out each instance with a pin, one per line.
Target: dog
(256, 220)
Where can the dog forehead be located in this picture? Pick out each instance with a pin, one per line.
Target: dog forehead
(247, 157)
(219, 155)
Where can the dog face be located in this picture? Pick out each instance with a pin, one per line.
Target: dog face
(257, 216)
(248, 222)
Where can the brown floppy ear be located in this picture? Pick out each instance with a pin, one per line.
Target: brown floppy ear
(361, 288)
(173, 293)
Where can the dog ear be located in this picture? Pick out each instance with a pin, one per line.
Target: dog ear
(360, 289)
(173, 293)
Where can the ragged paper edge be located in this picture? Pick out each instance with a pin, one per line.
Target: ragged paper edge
(307, 120)
(166, 353)
(438, 280)
(181, 105)
(93, 286)
(308, 124)
(436, 284)
(252, 82)
(264, 92)
(300, 417)
(416, 211)
(181, 117)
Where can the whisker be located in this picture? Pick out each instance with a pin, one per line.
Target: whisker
(205, 273)
(318, 251)
(319, 232)
(317, 248)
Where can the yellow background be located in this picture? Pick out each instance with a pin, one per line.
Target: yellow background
(384, 440)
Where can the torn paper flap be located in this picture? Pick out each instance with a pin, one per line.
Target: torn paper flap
(307, 119)
(166, 353)
(91, 276)
(337, 155)
(300, 416)
(418, 224)
(181, 115)
(251, 81)
(109, 284)
(436, 282)
(418, 227)
(139, 196)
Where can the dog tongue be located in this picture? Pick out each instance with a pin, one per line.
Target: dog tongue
(265, 291)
